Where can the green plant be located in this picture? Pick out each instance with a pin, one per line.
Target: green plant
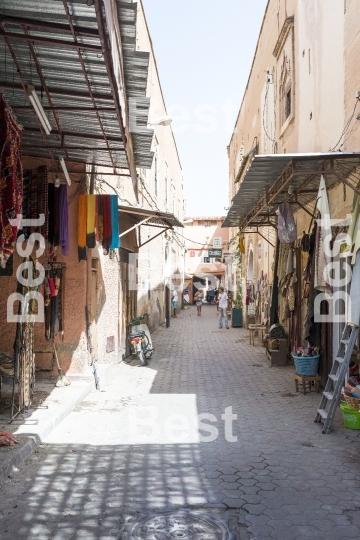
(238, 301)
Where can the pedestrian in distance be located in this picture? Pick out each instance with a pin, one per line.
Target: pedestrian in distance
(199, 297)
(175, 300)
(216, 295)
(211, 296)
(222, 305)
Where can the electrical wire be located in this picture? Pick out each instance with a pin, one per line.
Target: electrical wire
(194, 241)
(148, 192)
(346, 128)
(265, 107)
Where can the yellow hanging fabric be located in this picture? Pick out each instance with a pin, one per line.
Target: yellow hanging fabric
(241, 244)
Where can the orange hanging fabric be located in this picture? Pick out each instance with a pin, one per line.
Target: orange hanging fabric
(90, 223)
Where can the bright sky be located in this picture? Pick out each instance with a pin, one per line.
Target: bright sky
(204, 50)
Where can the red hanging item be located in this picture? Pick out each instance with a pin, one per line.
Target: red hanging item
(11, 183)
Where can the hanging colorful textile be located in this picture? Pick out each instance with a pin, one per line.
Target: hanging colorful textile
(286, 224)
(11, 181)
(35, 200)
(354, 229)
(82, 215)
(115, 240)
(97, 198)
(51, 203)
(107, 234)
(64, 220)
(90, 221)
(323, 237)
(100, 229)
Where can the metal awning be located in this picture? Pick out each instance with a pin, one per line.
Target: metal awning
(274, 179)
(244, 162)
(153, 218)
(63, 49)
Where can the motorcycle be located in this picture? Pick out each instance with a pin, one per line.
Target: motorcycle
(140, 340)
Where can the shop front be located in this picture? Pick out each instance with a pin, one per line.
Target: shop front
(63, 115)
(297, 209)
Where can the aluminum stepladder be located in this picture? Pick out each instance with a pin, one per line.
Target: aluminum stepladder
(336, 379)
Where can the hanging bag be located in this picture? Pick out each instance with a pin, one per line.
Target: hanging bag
(286, 224)
(306, 237)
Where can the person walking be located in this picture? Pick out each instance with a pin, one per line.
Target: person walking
(222, 304)
(211, 295)
(199, 297)
(216, 294)
(175, 300)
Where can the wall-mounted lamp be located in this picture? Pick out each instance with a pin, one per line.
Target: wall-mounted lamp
(57, 181)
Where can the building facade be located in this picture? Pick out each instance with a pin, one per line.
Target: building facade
(207, 246)
(93, 132)
(302, 97)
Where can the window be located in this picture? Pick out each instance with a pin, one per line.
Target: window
(156, 176)
(206, 259)
(217, 242)
(288, 103)
(207, 223)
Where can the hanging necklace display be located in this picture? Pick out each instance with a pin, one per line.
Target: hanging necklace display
(24, 365)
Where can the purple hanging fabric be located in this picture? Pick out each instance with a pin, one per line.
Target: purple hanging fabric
(64, 221)
(286, 224)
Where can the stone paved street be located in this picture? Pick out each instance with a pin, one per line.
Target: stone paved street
(106, 468)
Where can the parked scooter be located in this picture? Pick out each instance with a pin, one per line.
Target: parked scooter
(140, 340)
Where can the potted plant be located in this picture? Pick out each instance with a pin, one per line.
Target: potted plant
(237, 310)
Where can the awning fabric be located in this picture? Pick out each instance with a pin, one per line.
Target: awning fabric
(156, 218)
(244, 162)
(273, 179)
(163, 221)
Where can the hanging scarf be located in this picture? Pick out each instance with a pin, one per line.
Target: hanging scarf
(90, 225)
(107, 234)
(100, 228)
(38, 199)
(97, 197)
(56, 216)
(26, 200)
(51, 204)
(64, 221)
(82, 227)
(43, 204)
(11, 186)
(322, 258)
(115, 240)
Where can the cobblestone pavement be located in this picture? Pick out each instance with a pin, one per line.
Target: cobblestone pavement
(103, 470)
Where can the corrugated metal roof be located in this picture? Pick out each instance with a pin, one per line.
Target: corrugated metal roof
(266, 184)
(90, 136)
(136, 69)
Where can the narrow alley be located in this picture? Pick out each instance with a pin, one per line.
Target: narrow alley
(107, 473)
